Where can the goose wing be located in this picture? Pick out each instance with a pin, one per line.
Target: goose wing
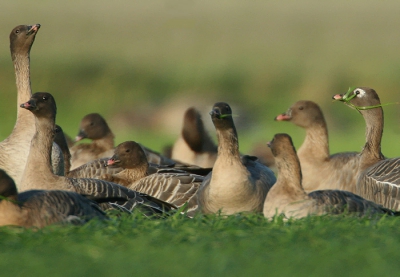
(93, 169)
(381, 183)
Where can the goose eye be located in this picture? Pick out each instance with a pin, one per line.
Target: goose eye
(45, 98)
(127, 150)
(301, 108)
(16, 31)
(357, 92)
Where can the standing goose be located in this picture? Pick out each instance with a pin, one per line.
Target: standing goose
(176, 188)
(40, 176)
(194, 145)
(15, 148)
(236, 184)
(378, 178)
(320, 170)
(288, 197)
(41, 208)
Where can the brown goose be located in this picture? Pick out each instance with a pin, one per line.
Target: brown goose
(288, 197)
(378, 178)
(43, 106)
(177, 187)
(194, 146)
(15, 148)
(236, 184)
(93, 126)
(41, 208)
(320, 169)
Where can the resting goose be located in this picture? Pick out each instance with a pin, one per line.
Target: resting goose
(43, 106)
(176, 187)
(320, 170)
(15, 148)
(194, 145)
(93, 126)
(288, 197)
(378, 178)
(41, 208)
(236, 184)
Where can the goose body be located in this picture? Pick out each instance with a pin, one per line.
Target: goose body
(288, 197)
(41, 208)
(178, 187)
(378, 178)
(236, 184)
(320, 170)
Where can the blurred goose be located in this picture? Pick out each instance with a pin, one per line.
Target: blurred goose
(15, 148)
(378, 178)
(43, 106)
(93, 126)
(178, 187)
(41, 208)
(236, 184)
(288, 197)
(320, 170)
(194, 145)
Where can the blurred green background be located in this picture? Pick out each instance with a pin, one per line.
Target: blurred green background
(142, 63)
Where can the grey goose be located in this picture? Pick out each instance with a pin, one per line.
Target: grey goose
(288, 197)
(378, 178)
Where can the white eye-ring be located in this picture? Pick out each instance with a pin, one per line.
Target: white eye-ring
(359, 92)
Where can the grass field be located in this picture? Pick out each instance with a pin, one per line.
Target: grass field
(142, 63)
(206, 246)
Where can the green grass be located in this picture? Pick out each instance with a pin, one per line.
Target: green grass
(241, 245)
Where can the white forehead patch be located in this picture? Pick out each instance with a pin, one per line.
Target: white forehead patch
(359, 92)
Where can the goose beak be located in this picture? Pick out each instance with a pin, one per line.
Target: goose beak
(112, 161)
(283, 117)
(338, 97)
(215, 113)
(30, 105)
(81, 135)
(33, 29)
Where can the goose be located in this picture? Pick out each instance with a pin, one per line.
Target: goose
(173, 186)
(288, 197)
(320, 170)
(194, 145)
(43, 106)
(236, 183)
(378, 178)
(94, 126)
(15, 148)
(41, 208)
